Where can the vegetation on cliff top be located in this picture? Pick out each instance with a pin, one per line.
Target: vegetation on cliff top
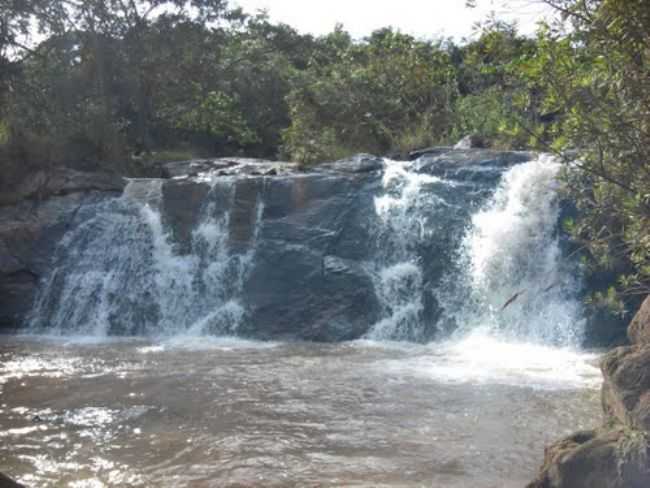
(92, 83)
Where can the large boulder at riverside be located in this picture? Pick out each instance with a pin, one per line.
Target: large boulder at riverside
(614, 458)
(618, 454)
(223, 166)
(42, 210)
(639, 329)
(626, 389)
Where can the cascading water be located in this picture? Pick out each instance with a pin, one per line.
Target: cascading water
(446, 250)
(397, 271)
(120, 271)
(509, 278)
(519, 285)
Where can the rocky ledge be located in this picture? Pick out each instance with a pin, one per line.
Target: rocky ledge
(616, 455)
(37, 212)
(33, 217)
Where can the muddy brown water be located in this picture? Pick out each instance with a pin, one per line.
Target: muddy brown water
(219, 412)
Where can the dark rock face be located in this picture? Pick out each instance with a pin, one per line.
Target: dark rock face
(32, 221)
(307, 280)
(182, 202)
(470, 165)
(618, 454)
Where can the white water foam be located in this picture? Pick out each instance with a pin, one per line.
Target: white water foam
(483, 359)
(520, 286)
(397, 275)
(510, 254)
(122, 268)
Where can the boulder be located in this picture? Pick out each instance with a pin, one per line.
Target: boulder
(639, 329)
(483, 166)
(618, 455)
(626, 389)
(596, 459)
(175, 169)
(429, 151)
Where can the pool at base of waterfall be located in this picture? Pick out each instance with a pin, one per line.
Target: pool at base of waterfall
(203, 412)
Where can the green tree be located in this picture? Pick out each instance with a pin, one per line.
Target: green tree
(389, 92)
(597, 76)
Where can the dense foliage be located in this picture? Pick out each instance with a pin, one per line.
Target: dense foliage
(597, 79)
(115, 84)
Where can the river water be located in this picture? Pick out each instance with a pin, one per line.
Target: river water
(200, 412)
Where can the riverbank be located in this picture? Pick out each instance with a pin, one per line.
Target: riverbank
(617, 454)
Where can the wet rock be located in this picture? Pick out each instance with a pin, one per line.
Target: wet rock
(245, 205)
(29, 234)
(182, 202)
(608, 459)
(481, 166)
(639, 329)
(6, 482)
(359, 163)
(61, 181)
(626, 390)
(618, 455)
(308, 280)
(471, 141)
(175, 169)
(429, 151)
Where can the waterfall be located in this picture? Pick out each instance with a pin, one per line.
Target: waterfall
(509, 254)
(120, 271)
(519, 284)
(417, 251)
(397, 269)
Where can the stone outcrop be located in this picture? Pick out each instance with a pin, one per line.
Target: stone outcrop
(34, 217)
(59, 182)
(617, 454)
